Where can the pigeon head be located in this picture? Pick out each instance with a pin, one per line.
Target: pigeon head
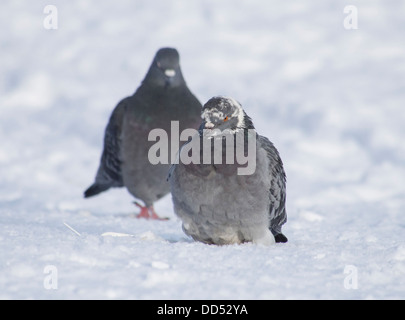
(165, 69)
(224, 113)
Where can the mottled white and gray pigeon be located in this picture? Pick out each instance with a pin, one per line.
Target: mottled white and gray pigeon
(162, 97)
(217, 203)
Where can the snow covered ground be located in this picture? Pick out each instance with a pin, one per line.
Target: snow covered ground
(331, 99)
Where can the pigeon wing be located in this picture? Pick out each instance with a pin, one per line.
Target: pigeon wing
(109, 172)
(277, 192)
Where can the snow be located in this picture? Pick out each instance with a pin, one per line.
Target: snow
(330, 99)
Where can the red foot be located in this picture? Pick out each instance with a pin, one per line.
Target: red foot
(148, 213)
(144, 211)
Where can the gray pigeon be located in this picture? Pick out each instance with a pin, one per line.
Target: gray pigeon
(162, 97)
(217, 203)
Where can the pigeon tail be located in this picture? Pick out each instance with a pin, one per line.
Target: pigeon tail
(95, 189)
(280, 238)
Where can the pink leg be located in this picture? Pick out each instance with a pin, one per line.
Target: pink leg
(144, 211)
(154, 215)
(148, 213)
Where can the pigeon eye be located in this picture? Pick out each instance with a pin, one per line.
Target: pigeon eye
(226, 118)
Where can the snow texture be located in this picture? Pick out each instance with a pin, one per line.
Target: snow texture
(331, 99)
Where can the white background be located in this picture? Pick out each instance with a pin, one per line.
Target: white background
(332, 101)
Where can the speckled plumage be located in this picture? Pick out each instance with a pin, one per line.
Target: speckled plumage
(218, 206)
(162, 97)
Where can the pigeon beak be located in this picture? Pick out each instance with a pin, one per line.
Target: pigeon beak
(209, 125)
(170, 73)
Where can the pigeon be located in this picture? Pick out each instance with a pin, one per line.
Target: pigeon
(218, 204)
(162, 97)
